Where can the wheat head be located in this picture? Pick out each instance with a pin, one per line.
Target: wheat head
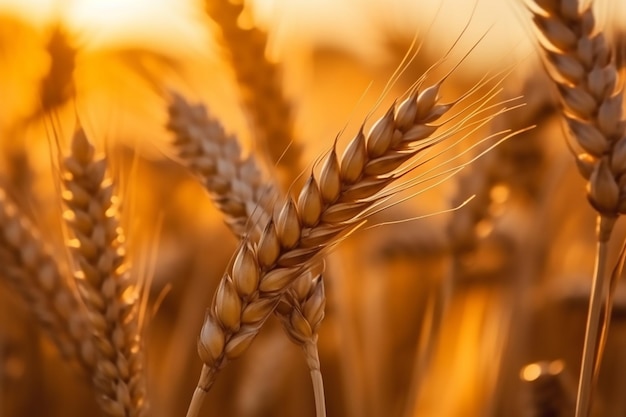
(27, 263)
(104, 281)
(259, 81)
(238, 190)
(325, 210)
(580, 62)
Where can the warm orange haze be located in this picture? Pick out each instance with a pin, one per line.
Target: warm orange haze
(356, 208)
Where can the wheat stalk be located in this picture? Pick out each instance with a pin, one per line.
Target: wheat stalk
(236, 187)
(30, 268)
(103, 280)
(325, 211)
(259, 81)
(580, 62)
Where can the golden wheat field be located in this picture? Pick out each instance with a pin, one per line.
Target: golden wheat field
(355, 208)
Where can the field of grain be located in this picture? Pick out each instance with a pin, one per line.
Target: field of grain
(356, 208)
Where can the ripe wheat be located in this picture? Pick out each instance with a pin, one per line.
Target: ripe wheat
(259, 80)
(28, 265)
(325, 211)
(104, 281)
(580, 62)
(237, 189)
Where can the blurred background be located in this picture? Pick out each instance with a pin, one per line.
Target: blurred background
(479, 312)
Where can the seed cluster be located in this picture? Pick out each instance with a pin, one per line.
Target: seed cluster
(103, 281)
(325, 210)
(581, 64)
(30, 267)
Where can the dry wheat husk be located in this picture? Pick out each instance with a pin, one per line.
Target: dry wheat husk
(259, 81)
(104, 281)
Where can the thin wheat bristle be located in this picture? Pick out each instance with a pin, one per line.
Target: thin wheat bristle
(104, 281)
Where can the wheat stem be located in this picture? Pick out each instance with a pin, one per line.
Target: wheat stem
(585, 383)
(313, 360)
(207, 376)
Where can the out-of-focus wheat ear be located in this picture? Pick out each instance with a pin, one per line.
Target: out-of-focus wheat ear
(550, 389)
(29, 267)
(104, 281)
(57, 86)
(55, 89)
(234, 182)
(301, 313)
(581, 64)
(260, 83)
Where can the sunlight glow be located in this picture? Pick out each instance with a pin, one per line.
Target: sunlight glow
(531, 372)
(163, 23)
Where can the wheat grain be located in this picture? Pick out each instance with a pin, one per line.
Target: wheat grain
(104, 281)
(260, 85)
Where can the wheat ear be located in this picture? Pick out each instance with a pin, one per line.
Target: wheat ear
(103, 280)
(580, 62)
(235, 183)
(236, 187)
(259, 81)
(30, 268)
(301, 312)
(325, 211)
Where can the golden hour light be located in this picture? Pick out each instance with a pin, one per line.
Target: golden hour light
(355, 208)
